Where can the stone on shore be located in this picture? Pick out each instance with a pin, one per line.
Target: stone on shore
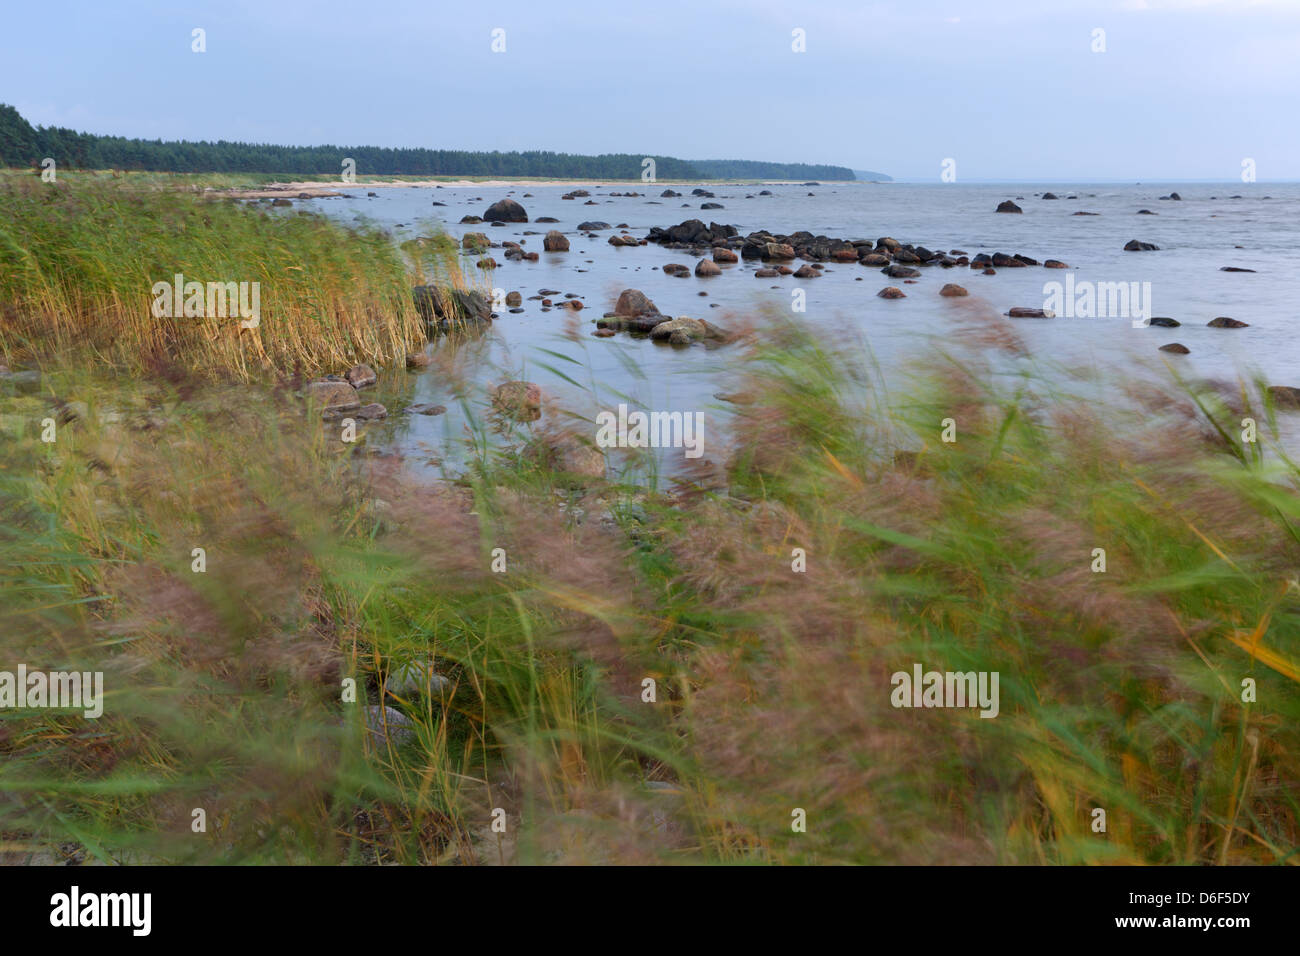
(1285, 396)
(389, 725)
(442, 307)
(361, 376)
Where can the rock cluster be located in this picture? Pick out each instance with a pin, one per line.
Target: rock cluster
(899, 260)
(636, 313)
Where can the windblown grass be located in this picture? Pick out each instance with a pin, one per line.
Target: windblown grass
(79, 260)
(1120, 690)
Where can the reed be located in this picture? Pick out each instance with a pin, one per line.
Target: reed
(79, 262)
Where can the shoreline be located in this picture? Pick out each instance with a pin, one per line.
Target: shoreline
(325, 190)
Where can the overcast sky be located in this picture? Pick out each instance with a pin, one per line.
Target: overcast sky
(1185, 89)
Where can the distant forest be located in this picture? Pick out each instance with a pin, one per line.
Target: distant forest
(22, 144)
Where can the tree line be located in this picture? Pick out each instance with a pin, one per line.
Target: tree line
(22, 145)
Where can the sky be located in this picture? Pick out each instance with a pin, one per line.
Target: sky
(1012, 90)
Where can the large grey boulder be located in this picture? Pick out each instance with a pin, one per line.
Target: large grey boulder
(505, 210)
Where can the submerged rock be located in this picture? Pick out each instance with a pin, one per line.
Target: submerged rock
(641, 324)
(1176, 347)
(1008, 206)
(568, 454)
(681, 331)
(521, 401)
(1224, 322)
(334, 396)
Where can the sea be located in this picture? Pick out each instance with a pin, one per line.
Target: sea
(1253, 226)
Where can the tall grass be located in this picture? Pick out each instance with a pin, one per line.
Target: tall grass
(1120, 690)
(79, 260)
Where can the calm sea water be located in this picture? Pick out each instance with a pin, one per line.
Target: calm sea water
(1197, 235)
